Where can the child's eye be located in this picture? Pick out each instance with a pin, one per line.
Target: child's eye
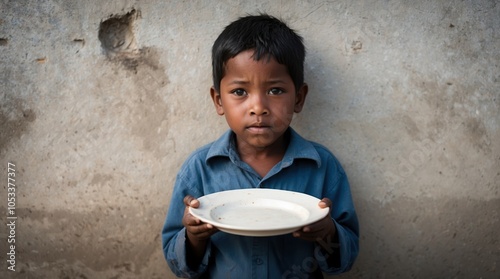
(276, 91)
(238, 92)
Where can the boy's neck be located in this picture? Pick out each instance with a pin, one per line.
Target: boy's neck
(262, 160)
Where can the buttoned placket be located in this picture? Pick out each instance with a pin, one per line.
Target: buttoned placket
(259, 257)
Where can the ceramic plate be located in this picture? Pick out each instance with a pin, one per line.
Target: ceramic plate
(258, 212)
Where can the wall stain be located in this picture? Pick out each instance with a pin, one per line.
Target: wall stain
(15, 120)
(478, 135)
(148, 117)
(86, 242)
(411, 127)
(100, 179)
(428, 238)
(454, 106)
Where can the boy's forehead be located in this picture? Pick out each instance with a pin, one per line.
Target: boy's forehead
(246, 60)
(248, 56)
(245, 68)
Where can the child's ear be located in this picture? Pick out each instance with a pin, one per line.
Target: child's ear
(300, 98)
(217, 101)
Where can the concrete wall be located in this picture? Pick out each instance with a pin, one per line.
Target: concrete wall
(405, 93)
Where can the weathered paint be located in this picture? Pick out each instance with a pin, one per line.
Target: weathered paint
(405, 93)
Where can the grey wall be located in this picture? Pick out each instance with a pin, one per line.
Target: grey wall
(405, 93)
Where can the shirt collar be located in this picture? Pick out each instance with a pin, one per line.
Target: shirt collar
(298, 148)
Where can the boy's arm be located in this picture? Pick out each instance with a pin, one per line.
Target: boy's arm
(197, 234)
(174, 240)
(327, 237)
(338, 252)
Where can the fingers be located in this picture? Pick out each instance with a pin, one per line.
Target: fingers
(309, 232)
(191, 201)
(319, 229)
(306, 236)
(200, 230)
(189, 219)
(196, 228)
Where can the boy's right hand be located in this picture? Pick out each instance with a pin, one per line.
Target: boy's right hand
(197, 231)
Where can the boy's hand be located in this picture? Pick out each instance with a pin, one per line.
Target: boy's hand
(320, 230)
(197, 231)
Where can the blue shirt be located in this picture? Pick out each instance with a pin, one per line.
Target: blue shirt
(306, 167)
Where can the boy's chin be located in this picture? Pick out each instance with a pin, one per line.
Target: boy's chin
(260, 141)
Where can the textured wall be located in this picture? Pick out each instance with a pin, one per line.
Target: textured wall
(406, 94)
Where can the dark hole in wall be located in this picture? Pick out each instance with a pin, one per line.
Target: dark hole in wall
(116, 33)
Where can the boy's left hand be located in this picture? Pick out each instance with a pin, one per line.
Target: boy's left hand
(320, 230)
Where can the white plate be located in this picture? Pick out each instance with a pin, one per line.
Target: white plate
(258, 212)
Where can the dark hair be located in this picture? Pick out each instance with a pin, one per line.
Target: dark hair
(268, 36)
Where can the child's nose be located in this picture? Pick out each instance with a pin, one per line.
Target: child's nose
(258, 105)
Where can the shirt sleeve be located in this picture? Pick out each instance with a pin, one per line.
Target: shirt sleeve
(174, 233)
(345, 247)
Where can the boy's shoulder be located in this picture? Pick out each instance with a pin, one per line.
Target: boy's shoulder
(305, 143)
(219, 147)
(200, 153)
(301, 146)
(328, 159)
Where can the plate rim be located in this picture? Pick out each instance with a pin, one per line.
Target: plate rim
(249, 231)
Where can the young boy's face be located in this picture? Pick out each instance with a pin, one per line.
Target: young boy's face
(258, 99)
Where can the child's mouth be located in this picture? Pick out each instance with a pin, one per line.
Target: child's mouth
(258, 129)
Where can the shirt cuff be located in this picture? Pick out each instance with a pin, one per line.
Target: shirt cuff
(180, 251)
(338, 247)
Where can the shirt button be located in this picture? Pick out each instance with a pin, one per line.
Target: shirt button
(259, 261)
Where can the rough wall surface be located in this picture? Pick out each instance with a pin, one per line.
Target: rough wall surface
(405, 93)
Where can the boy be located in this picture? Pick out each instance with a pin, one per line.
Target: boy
(258, 64)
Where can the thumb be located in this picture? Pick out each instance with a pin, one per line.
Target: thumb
(325, 202)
